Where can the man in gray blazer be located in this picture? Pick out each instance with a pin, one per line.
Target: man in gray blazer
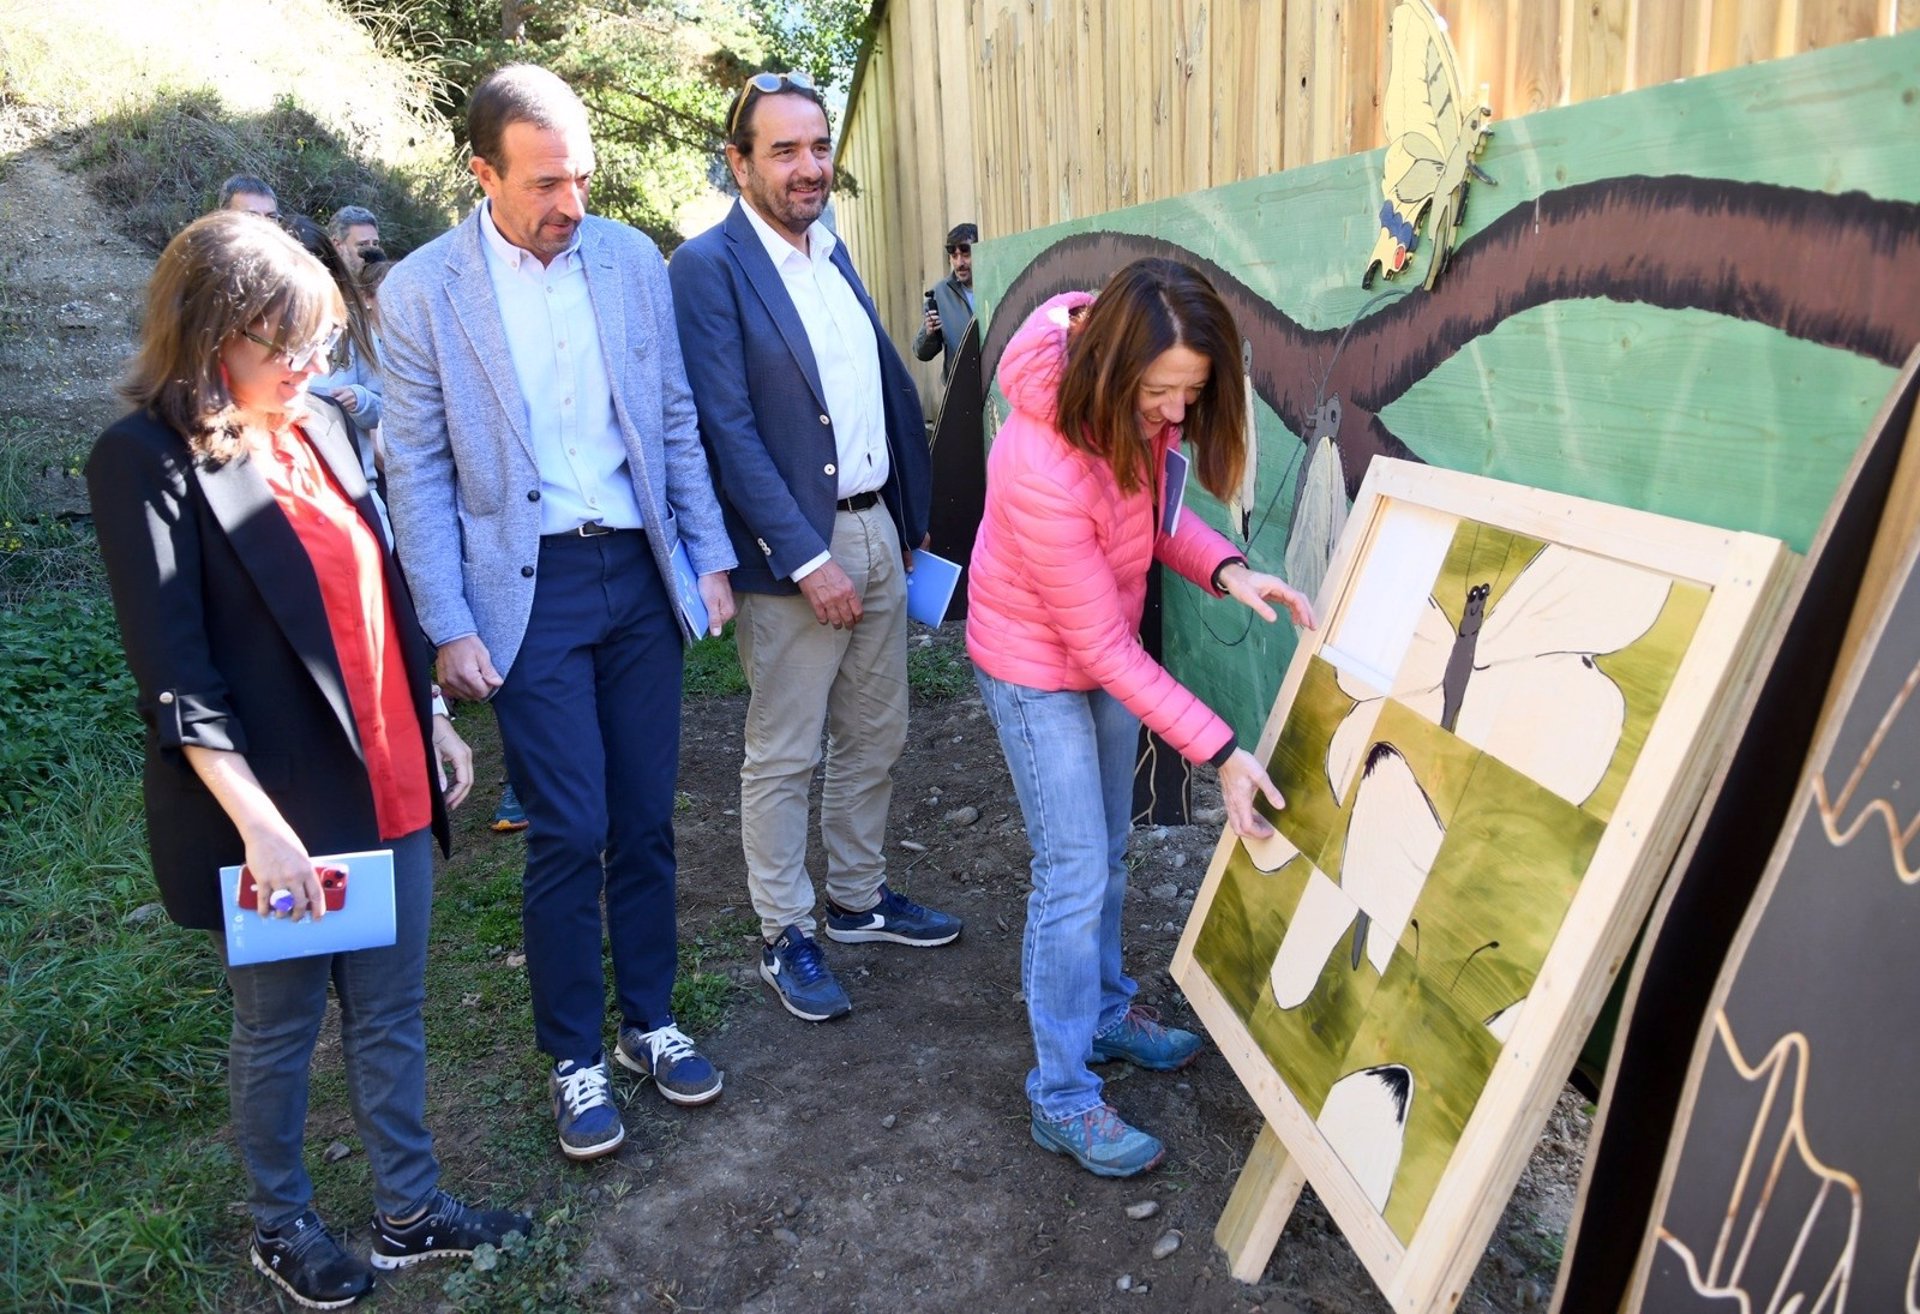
(950, 302)
(544, 468)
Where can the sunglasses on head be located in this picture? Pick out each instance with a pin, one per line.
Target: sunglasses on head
(298, 358)
(766, 84)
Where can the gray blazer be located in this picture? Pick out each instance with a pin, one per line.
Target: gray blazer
(461, 481)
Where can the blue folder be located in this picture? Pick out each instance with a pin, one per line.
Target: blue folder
(364, 922)
(686, 591)
(930, 586)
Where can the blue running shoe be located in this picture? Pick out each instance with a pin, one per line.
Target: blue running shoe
(678, 1070)
(589, 1124)
(1099, 1140)
(896, 919)
(796, 969)
(509, 816)
(1140, 1039)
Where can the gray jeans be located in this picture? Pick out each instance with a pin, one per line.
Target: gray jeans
(277, 1011)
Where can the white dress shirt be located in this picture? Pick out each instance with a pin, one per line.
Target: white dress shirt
(553, 338)
(846, 350)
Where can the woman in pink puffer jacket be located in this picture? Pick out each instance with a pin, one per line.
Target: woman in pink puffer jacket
(1102, 391)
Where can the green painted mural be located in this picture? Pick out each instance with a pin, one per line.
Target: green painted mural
(1689, 299)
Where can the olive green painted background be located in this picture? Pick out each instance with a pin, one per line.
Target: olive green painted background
(1686, 413)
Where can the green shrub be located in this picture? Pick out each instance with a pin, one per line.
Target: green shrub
(159, 166)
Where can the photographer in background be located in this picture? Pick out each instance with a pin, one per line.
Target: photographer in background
(950, 301)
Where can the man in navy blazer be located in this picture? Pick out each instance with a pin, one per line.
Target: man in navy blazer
(817, 439)
(544, 465)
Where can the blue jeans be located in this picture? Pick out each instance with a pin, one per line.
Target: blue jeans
(590, 724)
(1071, 755)
(277, 1011)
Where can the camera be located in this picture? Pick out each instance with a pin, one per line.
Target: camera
(930, 302)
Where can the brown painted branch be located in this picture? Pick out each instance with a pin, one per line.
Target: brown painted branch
(1842, 271)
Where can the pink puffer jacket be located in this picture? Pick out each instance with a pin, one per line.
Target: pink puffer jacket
(1059, 573)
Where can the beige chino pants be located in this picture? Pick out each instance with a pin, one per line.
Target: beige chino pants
(803, 675)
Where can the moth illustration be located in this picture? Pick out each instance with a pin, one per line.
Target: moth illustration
(1393, 836)
(1517, 677)
(1433, 136)
(1364, 1120)
(1243, 501)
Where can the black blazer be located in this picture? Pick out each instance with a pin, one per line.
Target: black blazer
(223, 625)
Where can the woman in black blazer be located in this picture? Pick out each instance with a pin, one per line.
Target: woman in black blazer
(283, 682)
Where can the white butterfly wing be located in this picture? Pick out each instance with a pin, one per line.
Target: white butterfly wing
(1418, 685)
(1319, 923)
(1364, 1121)
(1556, 719)
(1393, 837)
(1271, 853)
(1569, 601)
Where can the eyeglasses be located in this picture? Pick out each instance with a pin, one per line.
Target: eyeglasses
(766, 84)
(961, 248)
(298, 358)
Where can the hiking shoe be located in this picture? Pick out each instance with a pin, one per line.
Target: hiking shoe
(895, 919)
(303, 1259)
(509, 816)
(446, 1229)
(1099, 1140)
(589, 1124)
(678, 1070)
(1140, 1039)
(796, 969)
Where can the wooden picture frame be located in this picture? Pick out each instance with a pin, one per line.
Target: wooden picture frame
(1386, 1082)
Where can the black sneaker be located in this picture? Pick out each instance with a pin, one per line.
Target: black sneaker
(303, 1259)
(448, 1229)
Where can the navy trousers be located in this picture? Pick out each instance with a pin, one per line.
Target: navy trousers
(590, 722)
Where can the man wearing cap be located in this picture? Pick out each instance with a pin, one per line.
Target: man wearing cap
(951, 301)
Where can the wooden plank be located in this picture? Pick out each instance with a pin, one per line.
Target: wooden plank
(1302, 70)
(1826, 23)
(1264, 1195)
(1482, 40)
(1906, 15)
(1328, 87)
(1539, 77)
(1745, 32)
(1897, 529)
(1271, 99)
(1600, 56)
(1196, 99)
(1366, 25)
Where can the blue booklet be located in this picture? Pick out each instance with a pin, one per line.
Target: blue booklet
(930, 586)
(686, 591)
(1176, 491)
(364, 919)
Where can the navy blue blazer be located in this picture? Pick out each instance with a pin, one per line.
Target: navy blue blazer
(763, 412)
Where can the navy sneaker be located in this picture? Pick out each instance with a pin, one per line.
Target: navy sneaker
(589, 1124)
(796, 969)
(678, 1070)
(304, 1260)
(509, 816)
(896, 919)
(1099, 1140)
(445, 1229)
(1140, 1039)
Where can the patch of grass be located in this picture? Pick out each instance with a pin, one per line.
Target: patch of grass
(938, 671)
(112, 1037)
(713, 668)
(1541, 1245)
(533, 1274)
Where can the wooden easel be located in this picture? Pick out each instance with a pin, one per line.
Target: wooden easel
(1263, 1197)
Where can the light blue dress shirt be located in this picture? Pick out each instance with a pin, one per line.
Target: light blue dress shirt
(554, 340)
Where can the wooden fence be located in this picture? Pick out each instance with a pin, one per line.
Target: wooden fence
(1021, 113)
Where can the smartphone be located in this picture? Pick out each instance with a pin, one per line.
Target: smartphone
(333, 888)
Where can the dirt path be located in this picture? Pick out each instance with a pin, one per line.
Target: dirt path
(70, 289)
(882, 1163)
